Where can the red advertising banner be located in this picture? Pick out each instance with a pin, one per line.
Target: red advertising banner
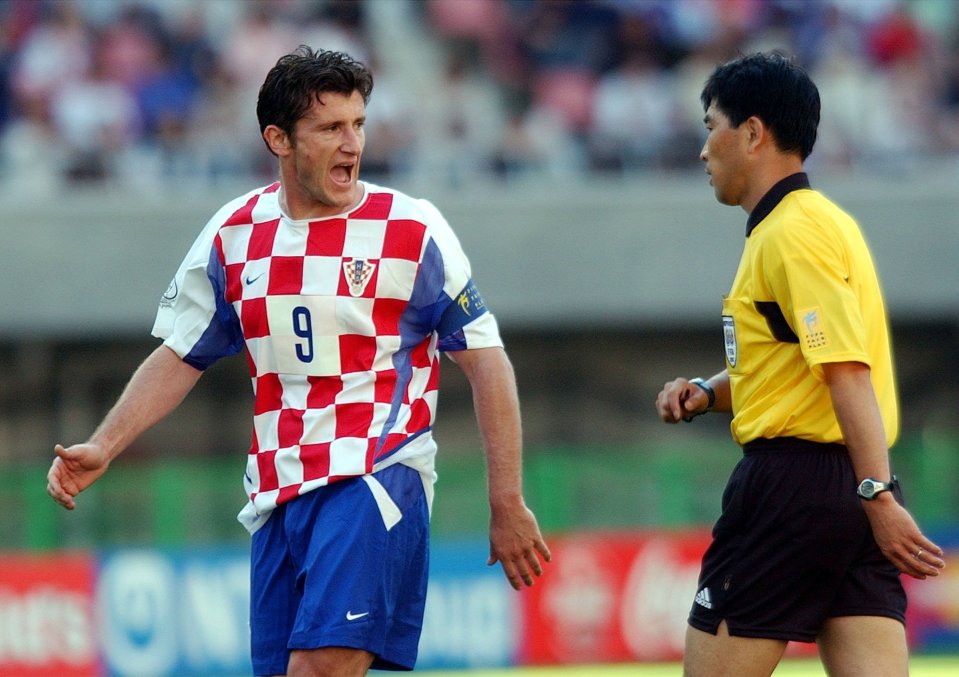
(46, 616)
(615, 597)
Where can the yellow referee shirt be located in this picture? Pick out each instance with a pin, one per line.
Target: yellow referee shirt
(806, 293)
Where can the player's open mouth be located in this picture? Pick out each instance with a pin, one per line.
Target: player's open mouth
(343, 173)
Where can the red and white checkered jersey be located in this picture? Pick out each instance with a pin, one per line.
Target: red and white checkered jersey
(342, 320)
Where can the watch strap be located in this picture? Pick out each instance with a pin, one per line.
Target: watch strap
(710, 394)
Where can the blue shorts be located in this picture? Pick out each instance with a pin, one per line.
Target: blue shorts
(344, 565)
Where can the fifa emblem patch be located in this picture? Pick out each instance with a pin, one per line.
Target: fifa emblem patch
(813, 331)
(169, 296)
(729, 338)
(465, 307)
(470, 301)
(358, 273)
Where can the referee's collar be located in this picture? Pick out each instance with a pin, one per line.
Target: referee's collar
(773, 197)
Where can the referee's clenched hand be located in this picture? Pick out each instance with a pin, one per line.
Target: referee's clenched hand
(679, 399)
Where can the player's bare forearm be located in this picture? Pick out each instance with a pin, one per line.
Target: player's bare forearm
(156, 388)
(894, 529)
(515, 538)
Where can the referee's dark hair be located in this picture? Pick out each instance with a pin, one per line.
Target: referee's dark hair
(298, 78)
(774, 89)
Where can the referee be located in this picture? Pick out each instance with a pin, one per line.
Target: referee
(812, 536)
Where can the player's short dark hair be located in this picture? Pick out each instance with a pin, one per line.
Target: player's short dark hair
(774, 89)
(298, 78)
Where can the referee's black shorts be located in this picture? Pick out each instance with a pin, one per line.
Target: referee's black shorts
(793, 547)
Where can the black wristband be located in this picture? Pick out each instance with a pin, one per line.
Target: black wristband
(710, 393)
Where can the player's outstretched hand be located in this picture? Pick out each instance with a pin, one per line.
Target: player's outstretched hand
(678, 400)
(73, 470)
(901, 541)
(515, 540)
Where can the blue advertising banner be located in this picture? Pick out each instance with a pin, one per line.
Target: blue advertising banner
(472, 614)
(175, 613)
(186, 612)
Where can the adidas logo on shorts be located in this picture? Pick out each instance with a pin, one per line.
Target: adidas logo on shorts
(703, 599)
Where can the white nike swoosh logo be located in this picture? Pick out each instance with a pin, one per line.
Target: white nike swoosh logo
(350, 616)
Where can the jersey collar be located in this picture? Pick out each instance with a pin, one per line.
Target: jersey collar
(773, 197)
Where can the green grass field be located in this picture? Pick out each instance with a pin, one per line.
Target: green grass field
(919, 666)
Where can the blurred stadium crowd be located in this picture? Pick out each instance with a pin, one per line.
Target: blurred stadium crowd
(147, 90)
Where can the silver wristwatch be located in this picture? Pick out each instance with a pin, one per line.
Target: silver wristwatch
(870, 488)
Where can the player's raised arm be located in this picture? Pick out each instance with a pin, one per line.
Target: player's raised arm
(156, 388)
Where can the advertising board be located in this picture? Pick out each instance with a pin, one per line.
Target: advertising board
(605, 598)
(47, 616)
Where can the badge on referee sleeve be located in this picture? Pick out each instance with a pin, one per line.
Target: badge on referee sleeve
(813, 329)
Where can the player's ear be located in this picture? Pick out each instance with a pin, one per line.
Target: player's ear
(277, 140)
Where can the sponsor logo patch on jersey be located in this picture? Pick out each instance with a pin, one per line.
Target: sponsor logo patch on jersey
(729, 338)
(813, 330)
(358, 273)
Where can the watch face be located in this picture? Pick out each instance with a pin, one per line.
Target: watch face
(867, 488)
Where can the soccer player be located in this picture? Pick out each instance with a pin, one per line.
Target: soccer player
(812, 536)
(343, 295)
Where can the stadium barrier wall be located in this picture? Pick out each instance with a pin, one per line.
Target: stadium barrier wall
(607, 597)
(169, 502)
(546, 254)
